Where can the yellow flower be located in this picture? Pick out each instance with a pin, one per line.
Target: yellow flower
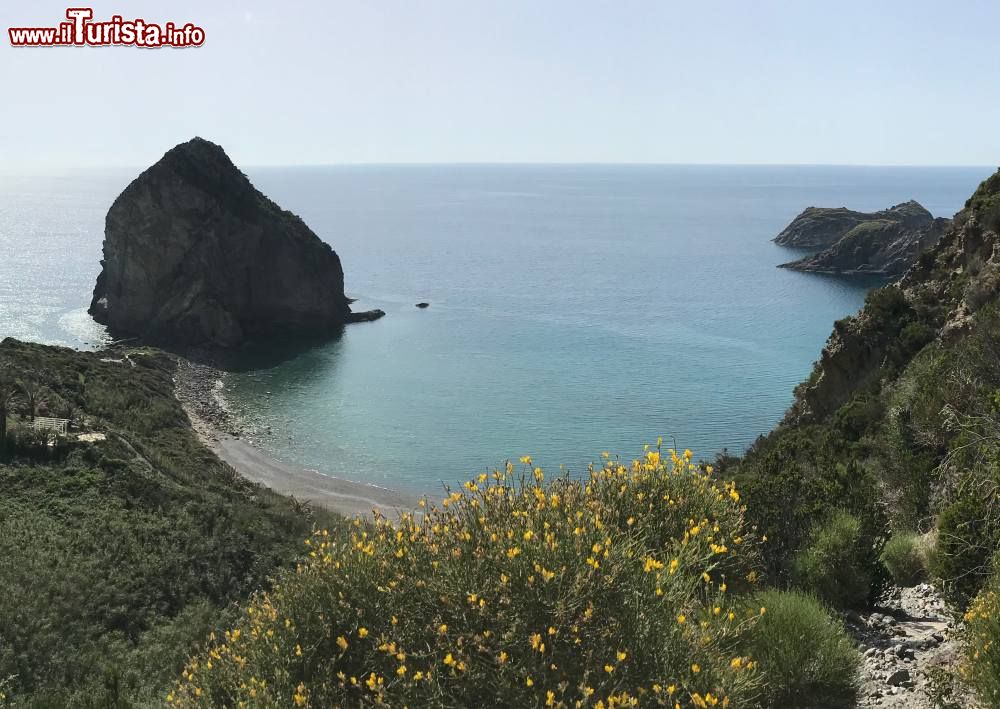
(502, 657)
(442, 628)
(528, 681)
(362, 632)
(696, 668)
(681, 618)
(449, 660)
(622, 655)
(342, 642)
(609, 668)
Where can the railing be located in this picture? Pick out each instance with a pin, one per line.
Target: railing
(45, 423)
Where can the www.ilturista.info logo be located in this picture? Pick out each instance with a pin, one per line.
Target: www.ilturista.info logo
(82, 31)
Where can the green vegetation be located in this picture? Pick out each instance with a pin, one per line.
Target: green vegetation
(982, 659)
(118, 555)
(635, 587)
(833, 564)
(807, 658)
(907, 557)
(514, 592)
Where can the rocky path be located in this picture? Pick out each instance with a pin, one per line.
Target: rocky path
(909, 643)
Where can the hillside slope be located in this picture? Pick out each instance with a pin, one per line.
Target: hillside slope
(896, 422)
(119, 553)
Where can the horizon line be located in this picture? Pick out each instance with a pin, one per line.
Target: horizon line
(56, 171)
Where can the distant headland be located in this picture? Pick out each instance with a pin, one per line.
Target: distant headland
(883, 243)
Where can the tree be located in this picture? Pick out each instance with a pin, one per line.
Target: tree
(33, 392)
(8, 393)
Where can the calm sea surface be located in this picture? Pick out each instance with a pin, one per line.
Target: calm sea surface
(573, 309)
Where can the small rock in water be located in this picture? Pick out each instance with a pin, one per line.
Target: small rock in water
(423, 305)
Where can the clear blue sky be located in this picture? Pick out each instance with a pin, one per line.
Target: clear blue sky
(349, 81)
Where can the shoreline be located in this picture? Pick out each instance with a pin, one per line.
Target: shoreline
(198, 387)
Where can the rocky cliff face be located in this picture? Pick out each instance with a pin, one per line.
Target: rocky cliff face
(936, 300)
(195, 255)
(822, 227)
(876, 247)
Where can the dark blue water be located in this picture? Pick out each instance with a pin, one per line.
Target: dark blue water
(573, 309)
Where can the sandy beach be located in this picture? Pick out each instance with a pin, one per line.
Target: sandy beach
(347, 497)
(199, 389)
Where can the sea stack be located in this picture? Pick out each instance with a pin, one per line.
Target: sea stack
(195, 255)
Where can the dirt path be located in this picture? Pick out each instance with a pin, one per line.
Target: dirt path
(906, 641)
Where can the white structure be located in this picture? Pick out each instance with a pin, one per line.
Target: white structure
(44, 423)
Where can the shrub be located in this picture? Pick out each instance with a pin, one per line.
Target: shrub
(804, 655)
(906, 556)
(965, 542)
(833, 565)
(794, 477)
(982, 644)
(509, 594)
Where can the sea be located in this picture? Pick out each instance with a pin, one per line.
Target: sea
(574, 309)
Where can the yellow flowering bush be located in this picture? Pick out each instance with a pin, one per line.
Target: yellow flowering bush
(612, 591)
(982, 648)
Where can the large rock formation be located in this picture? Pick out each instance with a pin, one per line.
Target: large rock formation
(878, 247)
(822, 227)
(882, 243)
(195, 255)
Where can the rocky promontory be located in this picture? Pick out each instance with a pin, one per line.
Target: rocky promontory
(878, 247)
(822, 227)
(883, 243)
(194, 254)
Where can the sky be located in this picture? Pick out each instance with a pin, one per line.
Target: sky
(298, 82)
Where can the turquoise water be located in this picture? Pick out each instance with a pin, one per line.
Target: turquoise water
(573, 309)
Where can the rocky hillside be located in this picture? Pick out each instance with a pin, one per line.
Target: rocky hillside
(878, 247)
(195, 255)
(935, 300)
(887, 464)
